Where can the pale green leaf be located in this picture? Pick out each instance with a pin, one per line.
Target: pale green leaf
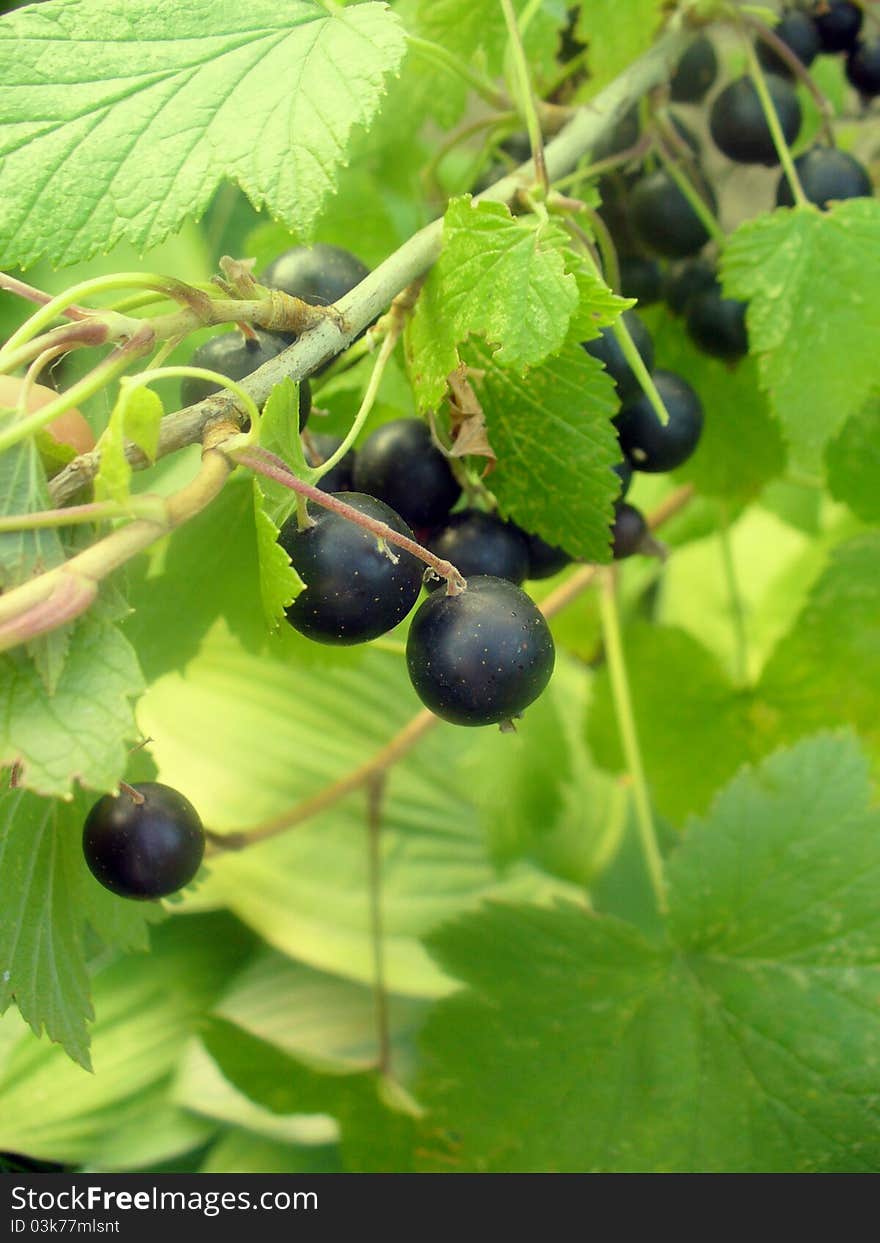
(747, 1042)
(120, 121)
(136, 417)
(812, 281)
(616, 34)
(279, 582)
(82, 731)
(499, 277)
(552, 433)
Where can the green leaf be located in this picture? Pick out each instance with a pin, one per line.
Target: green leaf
(279, 582)
(617, 34)
(597, 305)
(49, 896)
(147, 1007)
(23, 490)
(136, 417)
(296, 729)
(79, 733)
(812, 281)
(118, 123)
(749, 1042)
(499, 277)
(552, 433)
(740, 448)
(377, 1130)
(853, 462)
(826, 671)
(241, 1152)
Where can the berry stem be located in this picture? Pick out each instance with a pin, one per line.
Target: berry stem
(782, 148)
(526, 94)
(13, 285)
(143, 506)
(607, 249)
(133, 794)
(694, 198)
(264, 463)
(447, 60)
(106, 371)
(629, 738)
(737, 607)
(375, 794)
(769, 36)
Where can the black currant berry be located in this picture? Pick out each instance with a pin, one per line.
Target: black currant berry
(518, 146)
(717, 325)
(545, 559)
(145, 849)
(684, 281)
(236, 356)
(321, 446)
(606, 349)
(826, 174)
(401, 466)
(838, 23)
(649, 445)
(798, 32)
(738, 125)
(663, 218)
(641, 279)
(319, 274)
(622, 135)
(480, 543)
(481, 657)
(694, 73)
(355, 590)
(628, 531)
(624, 472)
(863, 67)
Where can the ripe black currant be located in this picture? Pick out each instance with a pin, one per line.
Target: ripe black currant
(717, 325)
(236, 356)
(606, 349)
(544, 559)
(146, 849)
(628, 531)
(480, 543)
(838, 23)
(649, 445)
(481, 657)
(355, 589)
(319, 274)
(738, 125)
(318, 448)
(798, 32)
(401, 466)
(641, 279)
(684, 281)
(663, 218)
(863, 67)
(694, 73)
(826, 174)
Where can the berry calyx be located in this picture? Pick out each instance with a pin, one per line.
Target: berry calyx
(739, 127)
(798, 32)
(355, 588)
(717, 325)
(649, 445)
(481, 657)
(146, 849)
(838, 23)
(480, 543)
(694, 73)
(863, 67)
(401, 466)
(663, 218)
(235, 355)
(607, 350)
(826, 174)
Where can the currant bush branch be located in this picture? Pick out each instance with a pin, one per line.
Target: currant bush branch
(413, 259)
